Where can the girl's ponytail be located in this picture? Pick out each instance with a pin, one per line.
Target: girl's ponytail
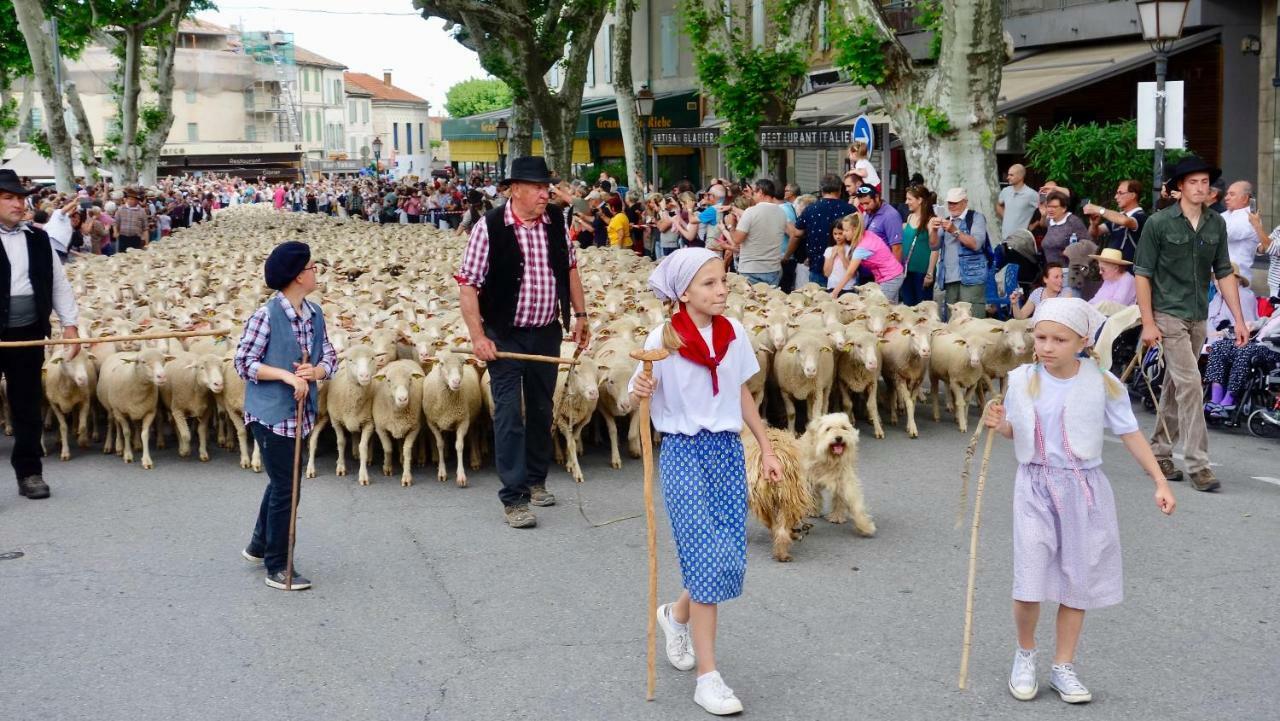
(1114, 389)
(670, 339)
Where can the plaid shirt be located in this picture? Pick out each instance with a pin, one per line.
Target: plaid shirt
(132, 221)
(253, 345)
(536, 304)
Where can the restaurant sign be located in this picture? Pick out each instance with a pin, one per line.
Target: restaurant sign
(775, 138)
(686, 137)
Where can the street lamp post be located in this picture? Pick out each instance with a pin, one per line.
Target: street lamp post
(644, 110)
(377, 156)
(500, 136)
(1162, 22)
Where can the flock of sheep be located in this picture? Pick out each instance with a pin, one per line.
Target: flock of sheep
(392, 304)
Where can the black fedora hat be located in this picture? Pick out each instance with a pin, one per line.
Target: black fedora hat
(9, 183)
(1187, 166)
(530, 169)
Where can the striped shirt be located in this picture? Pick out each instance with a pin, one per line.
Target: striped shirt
(536, 303)
(253, 345)
(1273, 268)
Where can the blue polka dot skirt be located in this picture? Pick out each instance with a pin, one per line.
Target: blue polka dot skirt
(704, 483)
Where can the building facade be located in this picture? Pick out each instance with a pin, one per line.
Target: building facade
(400, 119)
(322, 100)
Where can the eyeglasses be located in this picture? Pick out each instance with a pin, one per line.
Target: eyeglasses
(311, 267)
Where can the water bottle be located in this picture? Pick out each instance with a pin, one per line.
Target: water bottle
(1073, 239)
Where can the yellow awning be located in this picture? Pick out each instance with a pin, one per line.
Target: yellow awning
(486, 151)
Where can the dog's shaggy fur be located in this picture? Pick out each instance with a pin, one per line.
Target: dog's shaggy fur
(829, 451)
(781, 506)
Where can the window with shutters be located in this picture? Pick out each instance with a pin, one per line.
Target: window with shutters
(670, 46)
(608, 53)
(193, 132)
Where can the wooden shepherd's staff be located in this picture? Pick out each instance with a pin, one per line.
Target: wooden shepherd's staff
(504, 355)
(114, 338)
(646, 439)
(973, 542)
(297, 480)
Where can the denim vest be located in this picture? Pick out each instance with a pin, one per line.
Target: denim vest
(272, 401)
(973, 263)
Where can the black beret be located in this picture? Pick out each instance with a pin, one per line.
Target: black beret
(286, 263)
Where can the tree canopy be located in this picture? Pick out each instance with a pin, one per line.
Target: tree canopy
(476, 95)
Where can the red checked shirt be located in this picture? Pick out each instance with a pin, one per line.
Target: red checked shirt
(536, 304)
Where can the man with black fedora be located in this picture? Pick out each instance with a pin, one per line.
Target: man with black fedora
(35, 285)
(1180, 246)
(519, 284)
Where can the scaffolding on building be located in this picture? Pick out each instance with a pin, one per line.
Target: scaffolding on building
(270, 103)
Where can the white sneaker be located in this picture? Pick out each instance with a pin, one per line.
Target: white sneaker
(715, 697)
(1022, 679)
(1063, 679)
(679, 644)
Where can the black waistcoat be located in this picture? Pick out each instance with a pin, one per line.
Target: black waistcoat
(39, 271)
(506, 270)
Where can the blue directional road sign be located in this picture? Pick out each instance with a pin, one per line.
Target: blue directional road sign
(862, 131)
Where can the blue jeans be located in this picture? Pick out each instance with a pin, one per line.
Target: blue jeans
(773, 278)
(522, 440)
(816, 276)
(271, 533)
(913, 290)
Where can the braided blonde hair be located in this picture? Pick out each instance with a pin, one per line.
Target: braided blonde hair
(1114, 389)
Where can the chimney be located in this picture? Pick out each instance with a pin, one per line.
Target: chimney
(386, 77)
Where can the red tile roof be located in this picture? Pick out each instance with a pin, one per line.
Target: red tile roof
(380, 90)
(302, 56)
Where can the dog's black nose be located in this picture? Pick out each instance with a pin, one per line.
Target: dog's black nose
(839, 439)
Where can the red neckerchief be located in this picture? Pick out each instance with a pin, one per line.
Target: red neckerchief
(695, 348)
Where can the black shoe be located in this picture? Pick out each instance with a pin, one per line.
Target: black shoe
(33, 487)
(540, 496)
(277, 580)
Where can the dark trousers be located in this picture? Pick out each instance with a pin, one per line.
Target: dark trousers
(913, 290)
(788, 275)
(21, 369)
(125, 242)
(523, 445)
(271, 533)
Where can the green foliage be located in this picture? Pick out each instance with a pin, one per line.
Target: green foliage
(929, 17)
(858, 50)
(74, 28)
(746, 83)
(935, 119)
(476, 95)
(1090, 159)
(616, 170)
(988, 139)
(40, 141)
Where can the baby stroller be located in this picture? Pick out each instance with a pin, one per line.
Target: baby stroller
(1118, 341)
(1258, 394)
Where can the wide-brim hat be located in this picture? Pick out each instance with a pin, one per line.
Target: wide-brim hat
(530, 169)
(135, 192)
(10, 183)
(1111, 255)
(1244, 279)
(1187, 166)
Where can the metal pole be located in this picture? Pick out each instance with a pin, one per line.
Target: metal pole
(1157, 169)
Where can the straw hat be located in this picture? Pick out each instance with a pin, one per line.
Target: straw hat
(1244, 279)
(1111, 255)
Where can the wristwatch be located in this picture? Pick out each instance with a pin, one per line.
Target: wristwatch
(579, 315)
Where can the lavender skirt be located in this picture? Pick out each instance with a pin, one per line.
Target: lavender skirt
(1066, 542)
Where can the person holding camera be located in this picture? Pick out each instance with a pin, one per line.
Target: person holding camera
(960, 235)
(1121, 227)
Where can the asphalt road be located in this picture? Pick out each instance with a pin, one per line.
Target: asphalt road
(130, 600)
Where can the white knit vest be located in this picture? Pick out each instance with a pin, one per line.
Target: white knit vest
(1084, 416)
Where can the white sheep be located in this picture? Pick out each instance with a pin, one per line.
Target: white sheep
(350, 405)
(804, 369)
(69, 386)
(858, 371)
(397, 413)
(194, 382)
(956, 362)
(129, 390)
(451, 400)
(576, 396)
(231, 401)
(616, 368)
(906, 357)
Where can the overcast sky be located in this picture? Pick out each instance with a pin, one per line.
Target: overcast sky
(381, 34)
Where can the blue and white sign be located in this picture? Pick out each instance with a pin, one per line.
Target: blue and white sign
(862, 131)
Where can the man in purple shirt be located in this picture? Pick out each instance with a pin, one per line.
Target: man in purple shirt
(882, 219)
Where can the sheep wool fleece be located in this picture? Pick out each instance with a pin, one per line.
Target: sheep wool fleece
(704, 484)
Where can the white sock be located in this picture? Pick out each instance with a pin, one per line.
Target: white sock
(679, 627)
(1026, 651)
(706, 677)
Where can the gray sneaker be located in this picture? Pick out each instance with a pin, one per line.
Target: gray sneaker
(519, 517)
(1063, 679)
(1022, 679)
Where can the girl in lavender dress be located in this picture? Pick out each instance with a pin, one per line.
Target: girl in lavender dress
(1066, 543)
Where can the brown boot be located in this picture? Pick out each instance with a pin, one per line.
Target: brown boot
(519, 517)
(540, 496)
(1170, 471)
(33, 487)
(1204, 480)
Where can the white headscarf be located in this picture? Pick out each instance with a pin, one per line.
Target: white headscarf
(1074, 313)
(674, 274)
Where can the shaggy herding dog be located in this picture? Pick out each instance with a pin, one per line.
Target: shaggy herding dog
(829, 451)
(781, 506)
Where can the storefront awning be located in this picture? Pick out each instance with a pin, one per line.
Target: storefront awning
(1045, 75)
(598, 118)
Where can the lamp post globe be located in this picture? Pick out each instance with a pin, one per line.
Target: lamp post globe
(500, 133)
(644, 111)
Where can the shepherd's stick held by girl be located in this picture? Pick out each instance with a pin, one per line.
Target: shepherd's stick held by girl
(1066, 543)
(699, 402)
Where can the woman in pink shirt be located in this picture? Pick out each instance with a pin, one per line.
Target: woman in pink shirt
(1118, 285)
(278, 197)
(872, 252)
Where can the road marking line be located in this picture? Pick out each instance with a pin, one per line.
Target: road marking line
(1267, 479)
(1179, 456)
